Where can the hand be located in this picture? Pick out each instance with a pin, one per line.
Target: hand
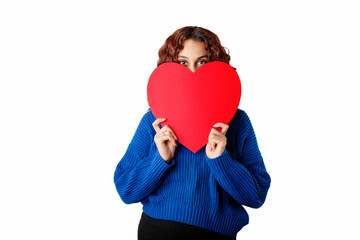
(165, 140)
(217, 141)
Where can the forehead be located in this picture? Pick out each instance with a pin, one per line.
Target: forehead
(193, 48)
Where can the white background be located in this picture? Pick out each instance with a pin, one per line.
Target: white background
(73, 90)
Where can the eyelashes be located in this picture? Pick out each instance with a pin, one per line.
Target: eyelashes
(201, 62)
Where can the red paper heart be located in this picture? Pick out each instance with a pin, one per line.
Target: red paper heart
(193, 102)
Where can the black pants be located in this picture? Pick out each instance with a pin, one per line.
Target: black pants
(155, 229)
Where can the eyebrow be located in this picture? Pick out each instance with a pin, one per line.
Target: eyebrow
(187, 57)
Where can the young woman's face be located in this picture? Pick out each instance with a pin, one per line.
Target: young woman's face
(193, 55)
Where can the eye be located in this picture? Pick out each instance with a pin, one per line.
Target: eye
(182, 62)
(202, 62)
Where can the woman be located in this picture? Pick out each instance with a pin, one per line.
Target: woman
(188, 195)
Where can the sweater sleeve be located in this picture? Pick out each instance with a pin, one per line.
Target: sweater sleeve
(139, 173)
(244, 178)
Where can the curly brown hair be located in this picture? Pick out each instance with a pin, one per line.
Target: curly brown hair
(175, 43)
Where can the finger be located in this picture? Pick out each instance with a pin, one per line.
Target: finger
(167, 128)
(213, 145)
(156, 124)
(211, 134)
(211, 142)
(171, 133)
(224, 127)
(218, 137)
(215, 132)
(208, 145)
(163, 137)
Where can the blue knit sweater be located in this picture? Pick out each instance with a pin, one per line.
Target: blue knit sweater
(194, 189)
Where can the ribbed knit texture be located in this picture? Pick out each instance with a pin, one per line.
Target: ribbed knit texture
(194, 189)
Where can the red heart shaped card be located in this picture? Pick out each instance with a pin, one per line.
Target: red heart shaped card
(193, 102)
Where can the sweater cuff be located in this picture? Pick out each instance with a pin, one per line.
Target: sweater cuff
(221, 164)
(160, 164)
